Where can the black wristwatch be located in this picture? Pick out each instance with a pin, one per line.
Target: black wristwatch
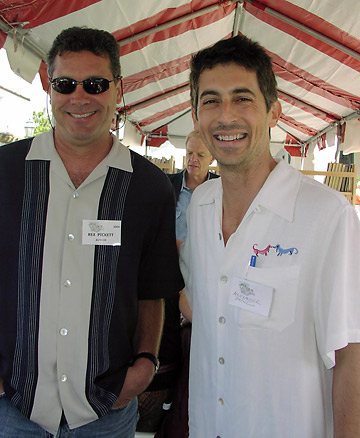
(149, 356)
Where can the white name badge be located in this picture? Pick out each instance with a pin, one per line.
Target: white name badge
(96, 232)
(251, 296)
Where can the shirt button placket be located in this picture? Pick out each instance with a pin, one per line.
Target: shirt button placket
(221, 361)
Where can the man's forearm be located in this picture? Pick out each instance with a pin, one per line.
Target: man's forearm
(346, 392)
(149, 326)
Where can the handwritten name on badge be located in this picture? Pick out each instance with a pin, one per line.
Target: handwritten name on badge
(251, 296)
(101, 232)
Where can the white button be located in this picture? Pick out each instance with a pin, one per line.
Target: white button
(221, 360)
(257, 209)
(222, 320)
(63, 332)
(63, 378)
(67, 283)
(75, 194)
(71, 237)
(221, 401)
(223, 279)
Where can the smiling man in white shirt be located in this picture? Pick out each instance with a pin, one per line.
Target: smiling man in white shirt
(270, 271)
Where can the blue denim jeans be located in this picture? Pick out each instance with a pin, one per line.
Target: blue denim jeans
(118, 423)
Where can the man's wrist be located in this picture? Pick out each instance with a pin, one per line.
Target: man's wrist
(149, 356)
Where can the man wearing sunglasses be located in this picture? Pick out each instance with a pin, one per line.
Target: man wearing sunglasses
(88, 253)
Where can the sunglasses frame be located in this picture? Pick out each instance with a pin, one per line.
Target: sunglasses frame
(86, 83)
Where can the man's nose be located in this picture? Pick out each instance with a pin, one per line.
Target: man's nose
(80, 96)
(228, 114)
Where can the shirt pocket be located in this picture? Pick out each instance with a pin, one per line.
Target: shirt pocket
(285, 282)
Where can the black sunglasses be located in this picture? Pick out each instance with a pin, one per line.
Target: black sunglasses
(90, 85)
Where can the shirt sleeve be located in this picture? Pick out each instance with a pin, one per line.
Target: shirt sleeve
(185, 256)
(160, 271)
(337, 318)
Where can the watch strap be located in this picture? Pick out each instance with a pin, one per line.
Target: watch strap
(149, 356)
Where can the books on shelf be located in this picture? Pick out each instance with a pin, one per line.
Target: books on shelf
(338, 181)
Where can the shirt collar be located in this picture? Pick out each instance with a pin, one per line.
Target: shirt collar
(278, 193)
(43, 148)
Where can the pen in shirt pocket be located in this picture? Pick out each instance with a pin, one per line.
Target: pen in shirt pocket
(252, 262)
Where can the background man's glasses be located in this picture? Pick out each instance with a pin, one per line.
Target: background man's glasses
(90, 85)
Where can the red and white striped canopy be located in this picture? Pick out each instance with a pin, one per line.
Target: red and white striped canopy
(314, 44)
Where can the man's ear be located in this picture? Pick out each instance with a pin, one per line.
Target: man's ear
(119, 92)
(275, 112)
(195, 120)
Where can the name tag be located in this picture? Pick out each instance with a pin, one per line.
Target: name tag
(96, 232)
(251, 296)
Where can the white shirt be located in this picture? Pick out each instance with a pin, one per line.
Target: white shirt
(254, 376)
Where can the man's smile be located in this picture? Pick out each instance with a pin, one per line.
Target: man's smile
(81, 116)
(230, 137)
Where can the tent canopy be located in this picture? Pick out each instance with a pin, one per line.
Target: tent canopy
(314, 45)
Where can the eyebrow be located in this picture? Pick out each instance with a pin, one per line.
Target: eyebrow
(234, 91)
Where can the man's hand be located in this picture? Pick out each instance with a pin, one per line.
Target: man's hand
(178, 244)
(138, 378)
(147, 339)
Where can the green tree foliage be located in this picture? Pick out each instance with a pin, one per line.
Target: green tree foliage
(42, 122)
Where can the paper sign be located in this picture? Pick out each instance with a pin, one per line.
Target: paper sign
(97, 232)
(251, 296)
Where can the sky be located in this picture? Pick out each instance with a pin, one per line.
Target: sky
(15, 111)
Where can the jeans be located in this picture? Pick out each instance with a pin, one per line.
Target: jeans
(118, 423)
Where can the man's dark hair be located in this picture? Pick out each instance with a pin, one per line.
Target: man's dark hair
(238, 50)
(76, 39)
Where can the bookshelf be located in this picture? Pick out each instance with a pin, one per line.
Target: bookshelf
(166, 165)
(339, 176)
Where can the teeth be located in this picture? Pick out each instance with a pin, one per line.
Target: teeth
(80, 116)
(231, 137)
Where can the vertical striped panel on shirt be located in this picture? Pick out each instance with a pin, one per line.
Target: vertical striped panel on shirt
(32, 234)
(104, 286)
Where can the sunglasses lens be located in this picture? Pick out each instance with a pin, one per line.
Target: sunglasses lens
(64, 85)
(96, 85)
(91, 85)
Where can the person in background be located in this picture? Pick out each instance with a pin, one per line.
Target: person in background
(163, 406)
(270, 265)
(88, 255)
(197, 162)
